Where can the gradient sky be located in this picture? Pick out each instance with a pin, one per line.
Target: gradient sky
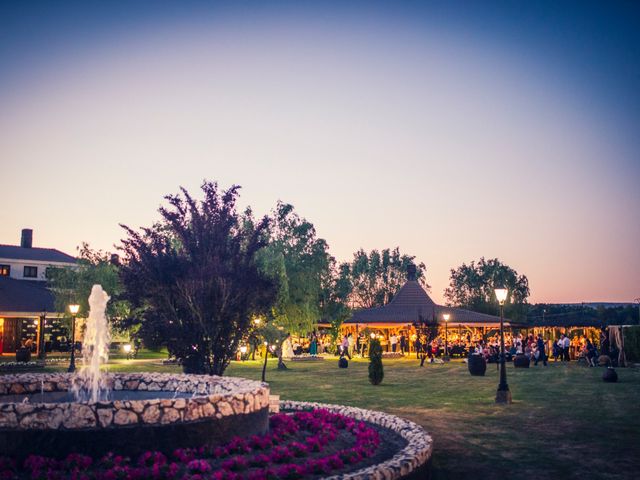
(454, 129)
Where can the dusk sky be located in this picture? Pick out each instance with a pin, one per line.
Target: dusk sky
(454, 130)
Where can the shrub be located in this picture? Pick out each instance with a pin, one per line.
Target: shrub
(632, 343)
(376, 373)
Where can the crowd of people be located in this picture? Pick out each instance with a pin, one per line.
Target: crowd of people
(535, 347)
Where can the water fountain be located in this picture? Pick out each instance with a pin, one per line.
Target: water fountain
(90, 384)
(93, 411)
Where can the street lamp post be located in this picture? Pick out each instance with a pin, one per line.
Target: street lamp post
(264, 365)
(42, 323)
(446, 317)
(503, 395)
(74, 309)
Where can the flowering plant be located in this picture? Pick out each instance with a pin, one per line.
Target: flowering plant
(294, 447)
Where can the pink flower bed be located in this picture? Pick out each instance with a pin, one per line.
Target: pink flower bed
(300, 445)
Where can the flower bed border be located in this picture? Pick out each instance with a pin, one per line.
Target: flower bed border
(412, 462)
(305, 358)
(391, 355)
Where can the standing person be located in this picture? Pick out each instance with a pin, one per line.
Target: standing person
(590, 353)
(352, 344)
(542, 354)
(344, 347)
(362, 342)
(313, 345)
(566, 344)
(403, 343)
(418, 345)
(561, 347)
(393, 340)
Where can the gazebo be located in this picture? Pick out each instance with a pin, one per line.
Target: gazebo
(412, 306)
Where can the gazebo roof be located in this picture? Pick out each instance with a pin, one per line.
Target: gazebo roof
(411, 304)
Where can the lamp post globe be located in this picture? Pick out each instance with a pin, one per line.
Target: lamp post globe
(503, 395)
(73, 309)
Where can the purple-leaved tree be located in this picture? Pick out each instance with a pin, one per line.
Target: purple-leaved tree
(193, 280)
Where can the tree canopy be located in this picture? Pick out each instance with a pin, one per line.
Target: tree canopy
(194, 275)
(73, 285)
(374, 278)
(298, 261)
(472, 287)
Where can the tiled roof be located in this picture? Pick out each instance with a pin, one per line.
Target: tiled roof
(16, 252)
(412, 303)
(25, 296)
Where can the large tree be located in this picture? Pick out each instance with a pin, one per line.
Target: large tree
(298, 261)
(195, 277)
(472, 287)
(375, 277)
(73, 285)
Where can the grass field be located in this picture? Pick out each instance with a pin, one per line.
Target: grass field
(564, 423)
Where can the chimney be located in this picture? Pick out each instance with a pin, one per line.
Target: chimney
(27, 238)
(411, 272)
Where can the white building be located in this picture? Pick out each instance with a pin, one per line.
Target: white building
(25, 301)
(24, 262)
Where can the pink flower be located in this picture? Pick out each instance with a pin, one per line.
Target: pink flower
(148, 459)
(260, 460)
(313, 443)
(184, 455)
(298, 449)
(319, 465)
(280, 454)
(76, 460)
(199, 466)
(290, 471)
(235, 463)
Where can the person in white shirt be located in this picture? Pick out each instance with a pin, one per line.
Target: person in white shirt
(566, 343)
(393, 340)
(351, 344)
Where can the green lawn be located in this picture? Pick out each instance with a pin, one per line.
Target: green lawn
(565, 422)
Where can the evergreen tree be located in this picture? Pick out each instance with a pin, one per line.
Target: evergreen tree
(376, 372)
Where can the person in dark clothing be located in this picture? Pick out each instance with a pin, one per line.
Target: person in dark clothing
(403, 343)
(591, 353)
(542, 354)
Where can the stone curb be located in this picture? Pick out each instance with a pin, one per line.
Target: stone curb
(409, 460)
(212, 396)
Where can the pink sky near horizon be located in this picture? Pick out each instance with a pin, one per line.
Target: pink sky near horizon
(449, 149)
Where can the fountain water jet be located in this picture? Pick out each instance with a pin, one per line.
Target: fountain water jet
(90, 384)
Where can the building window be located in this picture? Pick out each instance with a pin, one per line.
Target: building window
(5, 270)
(30, 272)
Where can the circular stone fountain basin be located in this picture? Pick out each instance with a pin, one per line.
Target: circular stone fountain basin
(144, 411)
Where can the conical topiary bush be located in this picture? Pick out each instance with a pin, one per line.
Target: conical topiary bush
(376, 373)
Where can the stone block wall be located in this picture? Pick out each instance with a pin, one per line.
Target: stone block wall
(212, 397)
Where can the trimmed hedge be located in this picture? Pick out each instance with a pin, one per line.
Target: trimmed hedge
(376, 373)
